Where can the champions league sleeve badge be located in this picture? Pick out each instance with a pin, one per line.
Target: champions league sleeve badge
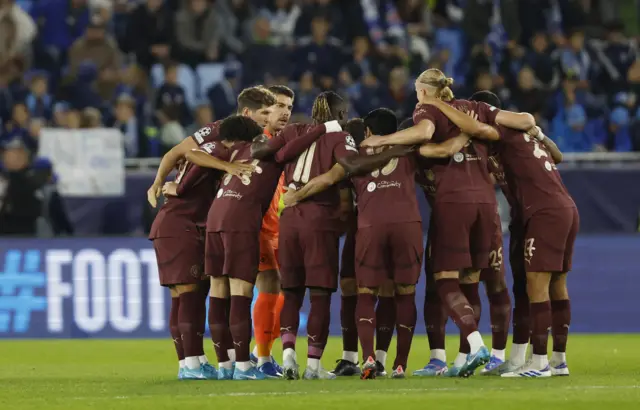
(458, 157)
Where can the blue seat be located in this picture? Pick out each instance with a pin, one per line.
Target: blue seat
(186, 79)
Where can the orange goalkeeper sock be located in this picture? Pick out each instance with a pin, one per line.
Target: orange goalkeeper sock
(275, 334)
(263, 315)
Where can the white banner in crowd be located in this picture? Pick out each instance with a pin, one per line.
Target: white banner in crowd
(89, 163)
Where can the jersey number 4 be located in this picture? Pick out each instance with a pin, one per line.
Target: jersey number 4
(245, 179)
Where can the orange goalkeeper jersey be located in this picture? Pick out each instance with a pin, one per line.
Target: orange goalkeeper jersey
(271, 220)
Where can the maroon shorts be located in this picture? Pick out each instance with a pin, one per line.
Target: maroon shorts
(348, 259)
(461, 236)
(233, 254)
(308, 258)
(389, 252)
(495, 271)
(180, 259)
(549, 236)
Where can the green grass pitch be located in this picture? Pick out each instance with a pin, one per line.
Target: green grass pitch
(141, 374)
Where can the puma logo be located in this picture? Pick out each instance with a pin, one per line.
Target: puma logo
(364, 319)
(237, 344)
(344, 329)
(409, 328)
(468, 307)
(384, 329)
(216, 345)
(312, 337)
(200, 334)
(565, 326)
(176, 340)
(286, 329)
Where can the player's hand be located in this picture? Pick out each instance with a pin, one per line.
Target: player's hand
(373, 141)
(240, 169)
(402, 150)
(472, 114)
(153, 193)
(289, 198)
(170, 189)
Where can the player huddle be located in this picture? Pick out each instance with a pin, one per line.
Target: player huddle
(259, 203)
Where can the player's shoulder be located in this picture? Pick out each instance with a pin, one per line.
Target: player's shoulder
(424, 111)
(209, 131)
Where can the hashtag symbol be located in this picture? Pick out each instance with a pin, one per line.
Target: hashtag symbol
(17, 290)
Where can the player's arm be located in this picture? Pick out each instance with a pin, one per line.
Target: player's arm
(315, 186)
(208, 160)
(361, 164)
(445, 149)
(296, 146)
(466, 123)
(264, 148)
(167, 164)
(555, 152)
(517, 120)
(418, 134)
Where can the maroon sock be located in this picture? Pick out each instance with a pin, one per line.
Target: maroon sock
(366, 316)
(521, 317)
(188, 314)
(561, 313)
(219, 328)
(385, 322)
(240, 326)
(348, 323)
(500, 312)
(540, 324)
(174, 329)
(406, 317)
(457, 305)
(290, 317)
(472, 292)
(203, 292)
(435, 319)
(317, 324)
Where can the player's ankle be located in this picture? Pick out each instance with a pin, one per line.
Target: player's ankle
(350, 356)
(439, 354)
(475, 341)
(558, 357)
(498, 353)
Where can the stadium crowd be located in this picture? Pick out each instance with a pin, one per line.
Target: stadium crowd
(159, 70)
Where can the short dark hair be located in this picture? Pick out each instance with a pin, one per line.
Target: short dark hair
(239, 128)
(381, 121)
(406, 123)
(356, 128)
(254, 98)
(487, 97)
(282, 90)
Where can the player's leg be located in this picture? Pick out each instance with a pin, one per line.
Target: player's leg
(561, 320)
(321, 260)
(348, 365)
(500, 313)
(521, 319)
(469, 285)
(366, 322)
(219, 309)
(188, 315)
(174, 330)
(203, 292)
(385, 324)
(406, 318)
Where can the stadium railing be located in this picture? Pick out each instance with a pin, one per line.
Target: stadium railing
(571, 160)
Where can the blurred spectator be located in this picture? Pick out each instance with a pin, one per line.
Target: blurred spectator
(400, 94)
(305, 94)
(619, 136)
(198, 33)
(320, 53)
(171, 132)
(20, 204)
(39, 101)
(370, 96)
(417, 15)
(73, 119)
(569, 129)
(383, 24)
(236, 17)
(327, 8)
(91, 118)
(541, 62)
(135, 82)
(574, 59)
(18, 128)
(171, 93)
(615, 56)
(283, 15)
(362, 60)
(222, 96)
(203, 116)
(19, 31)
(150, 33)
(60, 114)
(127, 123)
(260, 46)
(527, 97)
(96, 47)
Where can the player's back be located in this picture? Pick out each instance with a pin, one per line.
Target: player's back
(321, 211)
(241, 202)
(463, 178)
(388, 194)
(531, 173)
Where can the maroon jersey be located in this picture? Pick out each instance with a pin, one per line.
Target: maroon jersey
(207, 134)
(531, 173)
(463, 178)
(241, 203)
(426, 179)
(196, 190)
(387, 195)
(322, 211)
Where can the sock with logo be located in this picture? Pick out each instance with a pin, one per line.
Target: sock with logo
(561, 319)
(290, 317)
(472, 292)
(174, 329)
(349, 327)
(366, 323)
(275, 333)
(263, 318)
(500, 312)
(219, 328)
(240, 326)
(540, 324)
(406, 318)
(187, 323)
(385, 322)
(203, 293)
(457, 305)
(435, 320)
(318, 324)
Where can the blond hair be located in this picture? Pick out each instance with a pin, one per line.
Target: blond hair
(435, 80)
